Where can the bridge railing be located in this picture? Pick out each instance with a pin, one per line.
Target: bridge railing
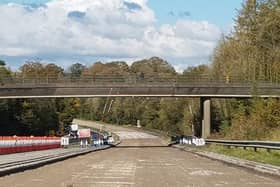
(268, 145)
(127, 79)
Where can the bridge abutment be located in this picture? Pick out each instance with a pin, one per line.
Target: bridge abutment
(205, 108)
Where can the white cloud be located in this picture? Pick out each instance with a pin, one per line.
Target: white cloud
(14, 51)
(195, 30)
(100, 28)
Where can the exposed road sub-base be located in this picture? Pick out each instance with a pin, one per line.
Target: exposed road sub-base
(139, 162)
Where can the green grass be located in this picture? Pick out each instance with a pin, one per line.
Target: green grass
(272, 157)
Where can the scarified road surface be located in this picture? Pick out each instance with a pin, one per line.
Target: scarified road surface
(143, 161)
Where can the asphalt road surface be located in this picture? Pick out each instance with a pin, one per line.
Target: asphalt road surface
(142, 161)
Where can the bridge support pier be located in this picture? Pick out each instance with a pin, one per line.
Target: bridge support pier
(205, 108)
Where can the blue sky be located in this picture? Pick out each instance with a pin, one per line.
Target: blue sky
(184, 32)
(219, 12)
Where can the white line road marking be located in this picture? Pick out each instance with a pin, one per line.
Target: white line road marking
(205, 173)
(106, 182)
(120, 174)
(103, 177)
(37, 180)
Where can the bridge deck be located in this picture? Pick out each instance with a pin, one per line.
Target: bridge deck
(118, 90)
(118, 86)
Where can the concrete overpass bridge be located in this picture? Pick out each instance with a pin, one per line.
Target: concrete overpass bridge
(128, 86)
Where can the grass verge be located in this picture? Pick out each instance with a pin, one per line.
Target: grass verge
(261, 155)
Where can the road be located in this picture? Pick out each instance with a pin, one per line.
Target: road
(136, 162)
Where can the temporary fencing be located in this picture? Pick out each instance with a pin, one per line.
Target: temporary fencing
(16, 144)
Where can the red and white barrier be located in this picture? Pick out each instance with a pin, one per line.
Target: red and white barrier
(16, 144)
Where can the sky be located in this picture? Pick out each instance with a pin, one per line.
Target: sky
(184, 32)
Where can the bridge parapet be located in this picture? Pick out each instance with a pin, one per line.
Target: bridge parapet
(130, 79)
(131, 85)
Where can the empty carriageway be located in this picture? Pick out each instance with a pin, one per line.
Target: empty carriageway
(140, 159)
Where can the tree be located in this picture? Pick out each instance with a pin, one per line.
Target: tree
(111, 68)
(68, 109)
(89, 109)
(53, 70)
(150, 116)
(253, 45)
(76, 70)
(9, 111)
(153, 66)
(171, 115)
(201, 72)
(32, 69)
(2, 63)
(5, 74)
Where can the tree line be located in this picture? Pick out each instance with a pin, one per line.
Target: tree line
(251, 52)
(53, 116)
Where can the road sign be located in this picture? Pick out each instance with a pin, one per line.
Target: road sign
(84, 133)
(74, 127)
